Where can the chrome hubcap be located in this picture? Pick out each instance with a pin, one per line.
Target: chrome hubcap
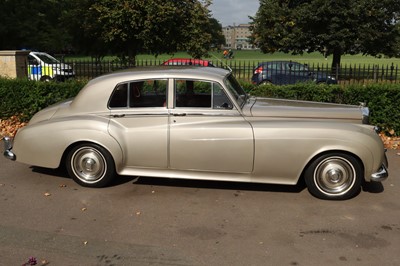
(88, 164)
(334, 175)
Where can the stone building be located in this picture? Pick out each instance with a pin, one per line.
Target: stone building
(237, 37)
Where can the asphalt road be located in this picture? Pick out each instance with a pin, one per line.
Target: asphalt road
(154, 221)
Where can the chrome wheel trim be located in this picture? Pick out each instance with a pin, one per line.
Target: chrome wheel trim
(88, 164)
(334, 176)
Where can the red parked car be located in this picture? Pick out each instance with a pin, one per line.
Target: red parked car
(187, 62)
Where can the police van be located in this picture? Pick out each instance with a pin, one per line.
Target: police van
(44, 67)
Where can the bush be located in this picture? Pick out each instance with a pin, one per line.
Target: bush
(383, 100)
(24, 97)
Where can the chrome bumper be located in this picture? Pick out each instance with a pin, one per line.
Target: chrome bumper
(8, 148)
(382, 173)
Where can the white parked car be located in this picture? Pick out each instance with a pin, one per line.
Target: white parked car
(44, 67)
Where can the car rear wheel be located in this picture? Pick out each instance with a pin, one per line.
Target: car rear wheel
(45, 78)
(90, 165)
(334, 176)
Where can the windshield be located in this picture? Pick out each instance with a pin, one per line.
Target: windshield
(236, 90)
(47, 59)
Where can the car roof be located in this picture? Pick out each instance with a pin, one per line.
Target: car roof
(194, 72)
(98, 90)
(34, 52)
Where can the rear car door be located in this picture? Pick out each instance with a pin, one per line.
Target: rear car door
(139, 122)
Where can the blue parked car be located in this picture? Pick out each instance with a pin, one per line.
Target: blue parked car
(287, 72)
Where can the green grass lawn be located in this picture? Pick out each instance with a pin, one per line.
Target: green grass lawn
(257, 56)
(252, 57)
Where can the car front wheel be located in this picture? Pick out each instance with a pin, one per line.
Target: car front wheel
(334, 176)
(90, 165)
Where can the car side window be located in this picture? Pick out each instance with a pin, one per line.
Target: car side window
(276, 66)
(138, 94)
(204, 94)
(32, 60)
(192, 93)
(119, 97)
(220, 100)
(147, 93)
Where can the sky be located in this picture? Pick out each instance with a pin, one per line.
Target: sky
(229, 12)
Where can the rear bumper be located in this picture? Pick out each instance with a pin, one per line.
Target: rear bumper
(8, 153)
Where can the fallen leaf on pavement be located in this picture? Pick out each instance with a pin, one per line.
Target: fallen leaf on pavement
(45, 262)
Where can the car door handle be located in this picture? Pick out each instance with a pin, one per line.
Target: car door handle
(118, 116)
(179, 114)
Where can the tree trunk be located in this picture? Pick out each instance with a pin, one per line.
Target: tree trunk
(337, 53)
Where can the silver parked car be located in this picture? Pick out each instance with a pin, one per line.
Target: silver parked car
(198, 123)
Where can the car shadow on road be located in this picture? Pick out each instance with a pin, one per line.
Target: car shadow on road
(59, 172)
(206, 184)
(172, 182)
(371, 187)
(62, 173)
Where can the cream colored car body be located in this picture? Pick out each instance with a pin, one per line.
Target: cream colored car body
(262, 140)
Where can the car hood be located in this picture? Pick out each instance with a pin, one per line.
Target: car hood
(280, 108)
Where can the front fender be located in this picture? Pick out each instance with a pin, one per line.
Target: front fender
(44, 143)
(284, 149)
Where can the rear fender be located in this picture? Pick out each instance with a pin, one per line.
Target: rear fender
(44, 143)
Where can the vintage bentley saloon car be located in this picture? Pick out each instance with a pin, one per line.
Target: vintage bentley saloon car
(198, 123)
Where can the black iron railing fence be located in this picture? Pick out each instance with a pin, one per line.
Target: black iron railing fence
(243, 70)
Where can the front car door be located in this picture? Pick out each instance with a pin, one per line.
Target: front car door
(207, 132)
(297, 72)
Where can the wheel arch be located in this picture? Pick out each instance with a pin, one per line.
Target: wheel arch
(325, 152)
(266, 81)
(116, 153)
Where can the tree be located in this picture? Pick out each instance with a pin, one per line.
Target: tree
(130, 27)
(331, 27)
(32, 25)
(218, 39)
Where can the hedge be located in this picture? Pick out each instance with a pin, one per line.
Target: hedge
(24, 97)
(383, 100)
